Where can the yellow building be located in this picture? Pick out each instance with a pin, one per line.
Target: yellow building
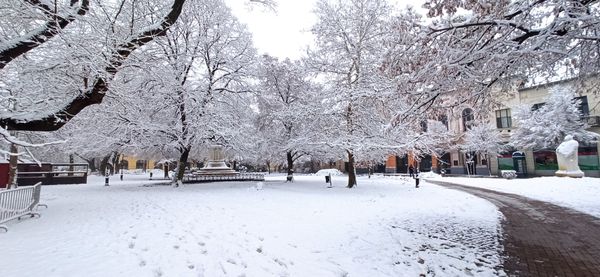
(134, 163)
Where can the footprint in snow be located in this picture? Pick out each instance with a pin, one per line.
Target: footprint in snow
(279, 262)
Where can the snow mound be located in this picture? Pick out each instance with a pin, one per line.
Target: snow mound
(332, 171)
(429, 175)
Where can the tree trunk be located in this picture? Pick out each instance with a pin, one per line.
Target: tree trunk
(12, 164)
(71, 162)
(92, 164)
(351, 171)
(166, 170)
(313, 166)
(104, 164)
(115, 163)
(269, 167)
(181, 165)
(290, 163)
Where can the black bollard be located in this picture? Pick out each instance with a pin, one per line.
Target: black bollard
(106, 180)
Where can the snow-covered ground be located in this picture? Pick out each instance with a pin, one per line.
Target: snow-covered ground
(136, 227)
(582, 194)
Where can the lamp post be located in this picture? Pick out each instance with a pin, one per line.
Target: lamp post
(121, 166)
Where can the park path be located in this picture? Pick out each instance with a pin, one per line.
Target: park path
(542, 239)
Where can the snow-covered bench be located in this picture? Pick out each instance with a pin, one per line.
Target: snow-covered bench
(508, 174)
(19, 202)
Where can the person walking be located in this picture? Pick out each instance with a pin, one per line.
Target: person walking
(411, 171)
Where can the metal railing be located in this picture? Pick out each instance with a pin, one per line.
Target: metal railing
(29, 174)
(19, 202)
(199, 178)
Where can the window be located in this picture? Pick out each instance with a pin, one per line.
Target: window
(503, 119)
(584, 108)
(444, 120)
(467, 117)
(537, 106)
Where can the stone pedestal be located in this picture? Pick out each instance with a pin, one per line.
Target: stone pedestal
(216, 163)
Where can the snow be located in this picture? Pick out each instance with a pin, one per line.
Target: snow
(331, 171)
(581, 194)
(137, 227)
(568, 147)
(429, 175)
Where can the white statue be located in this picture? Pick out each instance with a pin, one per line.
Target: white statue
(566, 156)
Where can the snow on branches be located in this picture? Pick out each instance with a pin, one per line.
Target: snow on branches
(548, 125)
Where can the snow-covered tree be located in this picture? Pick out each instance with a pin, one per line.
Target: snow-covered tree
(184, 103)
(472, 51)
(349, 42)
(184, 76)
(481, 139)
(547, 126)
(286, 101)
(112, 31)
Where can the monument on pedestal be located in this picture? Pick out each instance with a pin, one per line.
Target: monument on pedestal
(216, 163)
(566, 156)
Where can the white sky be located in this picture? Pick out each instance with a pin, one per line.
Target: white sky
(286, 33)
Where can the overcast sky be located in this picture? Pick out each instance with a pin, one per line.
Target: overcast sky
(286, 33)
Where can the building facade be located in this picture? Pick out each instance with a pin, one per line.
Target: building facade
(542, 162)
(133, 163)
(537, 162)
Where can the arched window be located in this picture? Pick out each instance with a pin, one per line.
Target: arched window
(467, 117)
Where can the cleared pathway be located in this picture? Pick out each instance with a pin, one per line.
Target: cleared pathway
(542, 239)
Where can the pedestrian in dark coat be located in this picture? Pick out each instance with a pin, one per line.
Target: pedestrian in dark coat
(411, 171)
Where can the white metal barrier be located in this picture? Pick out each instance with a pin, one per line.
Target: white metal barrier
(19, 202)
(198, 178)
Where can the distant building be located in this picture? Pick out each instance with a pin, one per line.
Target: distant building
(133, 163)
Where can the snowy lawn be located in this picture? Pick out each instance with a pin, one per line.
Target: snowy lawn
(384, 227)
(581, 194)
